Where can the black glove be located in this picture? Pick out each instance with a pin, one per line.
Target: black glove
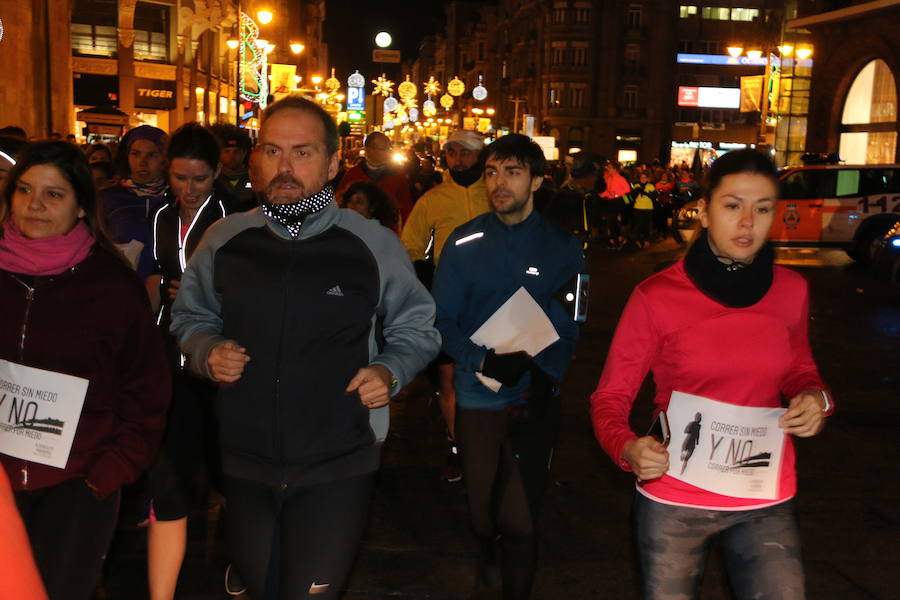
(506, 368)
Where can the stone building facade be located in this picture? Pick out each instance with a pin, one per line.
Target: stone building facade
(163, 63)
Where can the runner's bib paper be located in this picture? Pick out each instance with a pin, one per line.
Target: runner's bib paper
(39, 413)
(725, 449)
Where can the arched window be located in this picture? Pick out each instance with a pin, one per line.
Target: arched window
(869, 121)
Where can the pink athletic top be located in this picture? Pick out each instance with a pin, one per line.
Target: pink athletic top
(754, 356)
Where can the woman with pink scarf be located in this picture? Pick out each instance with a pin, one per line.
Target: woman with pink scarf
(70, 305)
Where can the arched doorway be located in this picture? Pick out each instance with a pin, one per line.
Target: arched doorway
(869, 120)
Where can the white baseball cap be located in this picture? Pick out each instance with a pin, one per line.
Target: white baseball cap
(465, 138)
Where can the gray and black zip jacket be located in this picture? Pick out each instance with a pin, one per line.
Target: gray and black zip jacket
(311, 312)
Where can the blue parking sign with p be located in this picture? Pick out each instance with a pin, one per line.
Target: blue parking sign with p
(356, 98)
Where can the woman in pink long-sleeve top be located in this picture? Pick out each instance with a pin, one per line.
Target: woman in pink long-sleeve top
(724, 332)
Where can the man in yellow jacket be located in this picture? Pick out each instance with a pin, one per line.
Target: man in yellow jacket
(460, 197)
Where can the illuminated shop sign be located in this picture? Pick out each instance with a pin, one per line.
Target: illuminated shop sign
(739, 61)
(721, 59)
(154, 93)
(709, 97)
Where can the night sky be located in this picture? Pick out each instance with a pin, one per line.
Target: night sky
(351, 25)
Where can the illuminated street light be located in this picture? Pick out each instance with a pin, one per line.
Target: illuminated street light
(804, 53)
(490, 111)
(383, 39)
(297, 79)
(316, 79)
(785, 49)
(735, 51)
(233, 43)
(754, 54)
(260, 43)
(264, 16)
(297, 47)
(269, 48)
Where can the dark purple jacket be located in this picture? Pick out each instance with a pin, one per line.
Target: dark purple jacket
(127, 218)
(92, 321)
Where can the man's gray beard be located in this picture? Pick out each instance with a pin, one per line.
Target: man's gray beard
(274, 196)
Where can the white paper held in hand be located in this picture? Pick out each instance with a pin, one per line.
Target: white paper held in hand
(39, 413)
(519, 324)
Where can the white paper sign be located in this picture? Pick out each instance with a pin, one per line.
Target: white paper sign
(726, 449)
(39, 413)
(519, 324)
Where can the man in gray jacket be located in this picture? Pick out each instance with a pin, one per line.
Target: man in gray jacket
(310, 317)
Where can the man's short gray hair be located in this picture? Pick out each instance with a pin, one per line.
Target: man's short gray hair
(298, 102)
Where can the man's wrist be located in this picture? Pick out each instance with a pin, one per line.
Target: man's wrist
(387, 376)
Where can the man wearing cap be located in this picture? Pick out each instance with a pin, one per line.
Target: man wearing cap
(309, 317)
(234, 146)
(376, 168)
(461, 197)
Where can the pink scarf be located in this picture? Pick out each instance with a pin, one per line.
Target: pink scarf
(47, 256)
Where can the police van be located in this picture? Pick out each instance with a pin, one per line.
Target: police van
(847, 206)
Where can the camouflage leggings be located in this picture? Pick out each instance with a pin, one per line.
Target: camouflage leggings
(761, 548)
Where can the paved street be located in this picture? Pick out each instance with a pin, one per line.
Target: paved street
(418, 544)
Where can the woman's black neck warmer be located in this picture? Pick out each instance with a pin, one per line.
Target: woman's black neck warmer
(735, 284)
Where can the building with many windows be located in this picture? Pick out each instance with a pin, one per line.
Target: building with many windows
(640, 79)
(722, 44)
(852, 103)
(590, 74)
(160, 62)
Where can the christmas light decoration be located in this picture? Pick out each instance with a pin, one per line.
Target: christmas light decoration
(446, 100)
(479, 92)
(407, 89)
(428, 108)
(253, 63)
(432, 88)
(414, 114)
(383, 86)
(356, 80)
(332, 84)
(456, 87)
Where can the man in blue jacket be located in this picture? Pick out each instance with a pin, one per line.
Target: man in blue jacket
(506, 436)
(311, 317)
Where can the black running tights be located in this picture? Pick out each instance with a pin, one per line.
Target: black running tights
(505, 475)
(296, 541)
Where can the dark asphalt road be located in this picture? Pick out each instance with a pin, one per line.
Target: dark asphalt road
(418, 544)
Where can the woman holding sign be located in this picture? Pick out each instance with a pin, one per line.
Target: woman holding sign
(724, 332)
(84, 384)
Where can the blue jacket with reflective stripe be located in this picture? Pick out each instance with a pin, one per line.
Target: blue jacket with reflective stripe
(484, 262)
